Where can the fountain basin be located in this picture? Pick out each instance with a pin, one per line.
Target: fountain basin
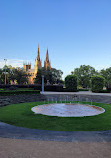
(68, 110)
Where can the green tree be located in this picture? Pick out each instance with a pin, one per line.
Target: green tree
(19, 75)
(97, 83)
(84, 73)
(2, 79)
(13, 74)
(106, 73)
(51, 75)
(1, 71)
(71, 83)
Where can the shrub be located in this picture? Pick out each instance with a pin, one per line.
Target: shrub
(71, 83)
(83, 89)
(12, 88)
(35, 86)
(13, 92)
(97, 83)
(55, 88)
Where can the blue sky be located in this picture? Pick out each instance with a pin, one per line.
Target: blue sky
(76, 32)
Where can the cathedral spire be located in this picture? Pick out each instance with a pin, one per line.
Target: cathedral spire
(47, 62)
(38, 56)
(38, 64)
(47, 56)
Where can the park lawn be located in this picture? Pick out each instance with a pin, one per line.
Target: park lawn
(21, 115)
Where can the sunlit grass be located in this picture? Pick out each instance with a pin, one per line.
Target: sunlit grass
(21, 115)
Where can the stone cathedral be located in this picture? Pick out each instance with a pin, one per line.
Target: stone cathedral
(38, 65)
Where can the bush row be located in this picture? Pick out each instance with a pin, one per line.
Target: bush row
(20, 86)
(3, 93)
(97, 84)
(57, 88)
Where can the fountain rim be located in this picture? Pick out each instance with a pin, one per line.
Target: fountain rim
(92, 106)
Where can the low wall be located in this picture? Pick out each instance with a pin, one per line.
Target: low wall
(79, 97)
(14, 99)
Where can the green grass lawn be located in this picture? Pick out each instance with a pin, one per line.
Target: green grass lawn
(21, 115)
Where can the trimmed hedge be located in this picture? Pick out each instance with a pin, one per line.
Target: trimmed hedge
(83, 89)
(71, 83)
(21, 86)
(13, 92)
(55, 88)
(97, 83)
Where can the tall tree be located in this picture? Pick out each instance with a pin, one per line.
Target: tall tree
(51, 76)
(71, 83)
(2, 79)
(13, 74)
(1, 71)
(20, 76)
(106, 73)
(84, 74)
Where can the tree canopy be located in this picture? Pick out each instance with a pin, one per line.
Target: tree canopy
(51, 76)
(106, 73)
(13, 74)
(71, 83)
(84, 73)
(97, 83)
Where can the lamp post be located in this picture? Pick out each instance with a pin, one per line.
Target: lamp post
(42, 84)
(5, 70)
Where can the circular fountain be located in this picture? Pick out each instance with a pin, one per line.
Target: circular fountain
(68, 110)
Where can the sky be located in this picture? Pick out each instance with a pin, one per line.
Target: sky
(76, 32)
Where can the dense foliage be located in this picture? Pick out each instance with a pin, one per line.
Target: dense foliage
(51, 76)
(71, 83)
(17, 92)
(14, 75)
(84, 73)
(97, 83)
(107, 75)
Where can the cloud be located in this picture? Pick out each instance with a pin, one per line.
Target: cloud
(12, 62)
(100, 67)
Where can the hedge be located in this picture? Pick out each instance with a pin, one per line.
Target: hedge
(97, 83)
(56, 88)
(71, 83)
(13, 92)
(21, 86)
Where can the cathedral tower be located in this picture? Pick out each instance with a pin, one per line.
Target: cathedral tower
(47, 62)
(26, 66)
(38, 64)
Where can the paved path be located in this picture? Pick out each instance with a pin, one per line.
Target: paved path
(17, 148)
(9, 131)
(18, 142)
(81, 92)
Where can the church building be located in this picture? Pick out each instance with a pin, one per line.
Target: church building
(38, 65)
